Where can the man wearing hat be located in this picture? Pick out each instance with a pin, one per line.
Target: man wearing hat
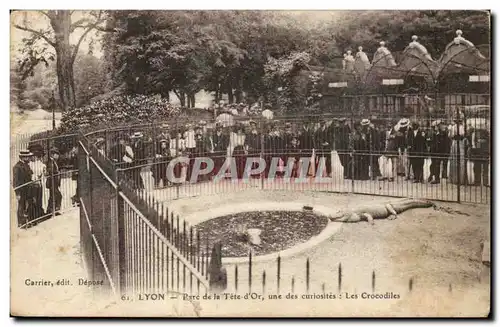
(219, 142)
(401, 141)
(289, 150)
(273, 146)
(306, 140)
(121, 152)
(417, 148)
(237, 145)
(202, 148)
(438, 147)
(480, 153)
(139, 158)
(190, 142)
(162, 156)
(341, 132)
(53, 182)
(252, 142)
(323, 140)
(21, 176)
(371, 136)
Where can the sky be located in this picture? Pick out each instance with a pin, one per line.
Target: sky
(38, 21)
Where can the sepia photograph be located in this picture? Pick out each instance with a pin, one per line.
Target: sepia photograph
(250, 163)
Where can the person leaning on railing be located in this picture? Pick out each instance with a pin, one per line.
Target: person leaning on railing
(22, 177)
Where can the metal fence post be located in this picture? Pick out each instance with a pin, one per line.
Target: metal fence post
(352, 153)
(457, 154)
(262, 145)
(120, 216)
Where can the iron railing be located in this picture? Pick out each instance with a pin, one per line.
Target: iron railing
(129, 242)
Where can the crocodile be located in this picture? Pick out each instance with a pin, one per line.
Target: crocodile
(381, 211)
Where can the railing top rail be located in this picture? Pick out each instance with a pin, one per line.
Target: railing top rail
(67, 172)
(48, 138)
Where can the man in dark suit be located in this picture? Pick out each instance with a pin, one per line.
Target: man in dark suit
(273, 146)
(202, 148)
(21, 175)
(306, 143)
(417, 148)
(162, 156)
(253, 144)
(438, 145)
(341, 141)
(480, 153)
(54, 182)
(219, 142)
(287, 143)
(139, 150)
(323, 140)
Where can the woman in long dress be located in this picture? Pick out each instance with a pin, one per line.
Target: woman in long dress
(458, 164)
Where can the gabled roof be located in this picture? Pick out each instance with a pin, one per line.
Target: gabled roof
(461, 56)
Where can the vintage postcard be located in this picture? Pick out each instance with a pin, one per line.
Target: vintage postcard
(250, 163)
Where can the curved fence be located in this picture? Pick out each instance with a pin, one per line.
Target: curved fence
(136, 171)
(445, 158)
(127, 177)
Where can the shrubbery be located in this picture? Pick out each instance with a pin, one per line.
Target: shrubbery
(118, 110)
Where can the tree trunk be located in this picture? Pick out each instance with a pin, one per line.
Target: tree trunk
(239, 95)
(230, 96)
(188, 101)
(192, 100)
(64, 65)
(182, 99)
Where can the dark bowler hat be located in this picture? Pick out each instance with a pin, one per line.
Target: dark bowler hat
(25, 153)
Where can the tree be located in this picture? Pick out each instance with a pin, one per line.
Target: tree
(90, 78)
(17, 86)
(53, 43)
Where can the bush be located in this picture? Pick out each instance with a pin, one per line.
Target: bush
(118, 110)
(28, 104)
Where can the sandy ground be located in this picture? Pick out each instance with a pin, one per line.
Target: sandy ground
(436, 249)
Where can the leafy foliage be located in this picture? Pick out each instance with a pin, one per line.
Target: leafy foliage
(118, 110)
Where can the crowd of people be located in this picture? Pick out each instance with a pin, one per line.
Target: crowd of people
(366, 149)
(381, 149)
